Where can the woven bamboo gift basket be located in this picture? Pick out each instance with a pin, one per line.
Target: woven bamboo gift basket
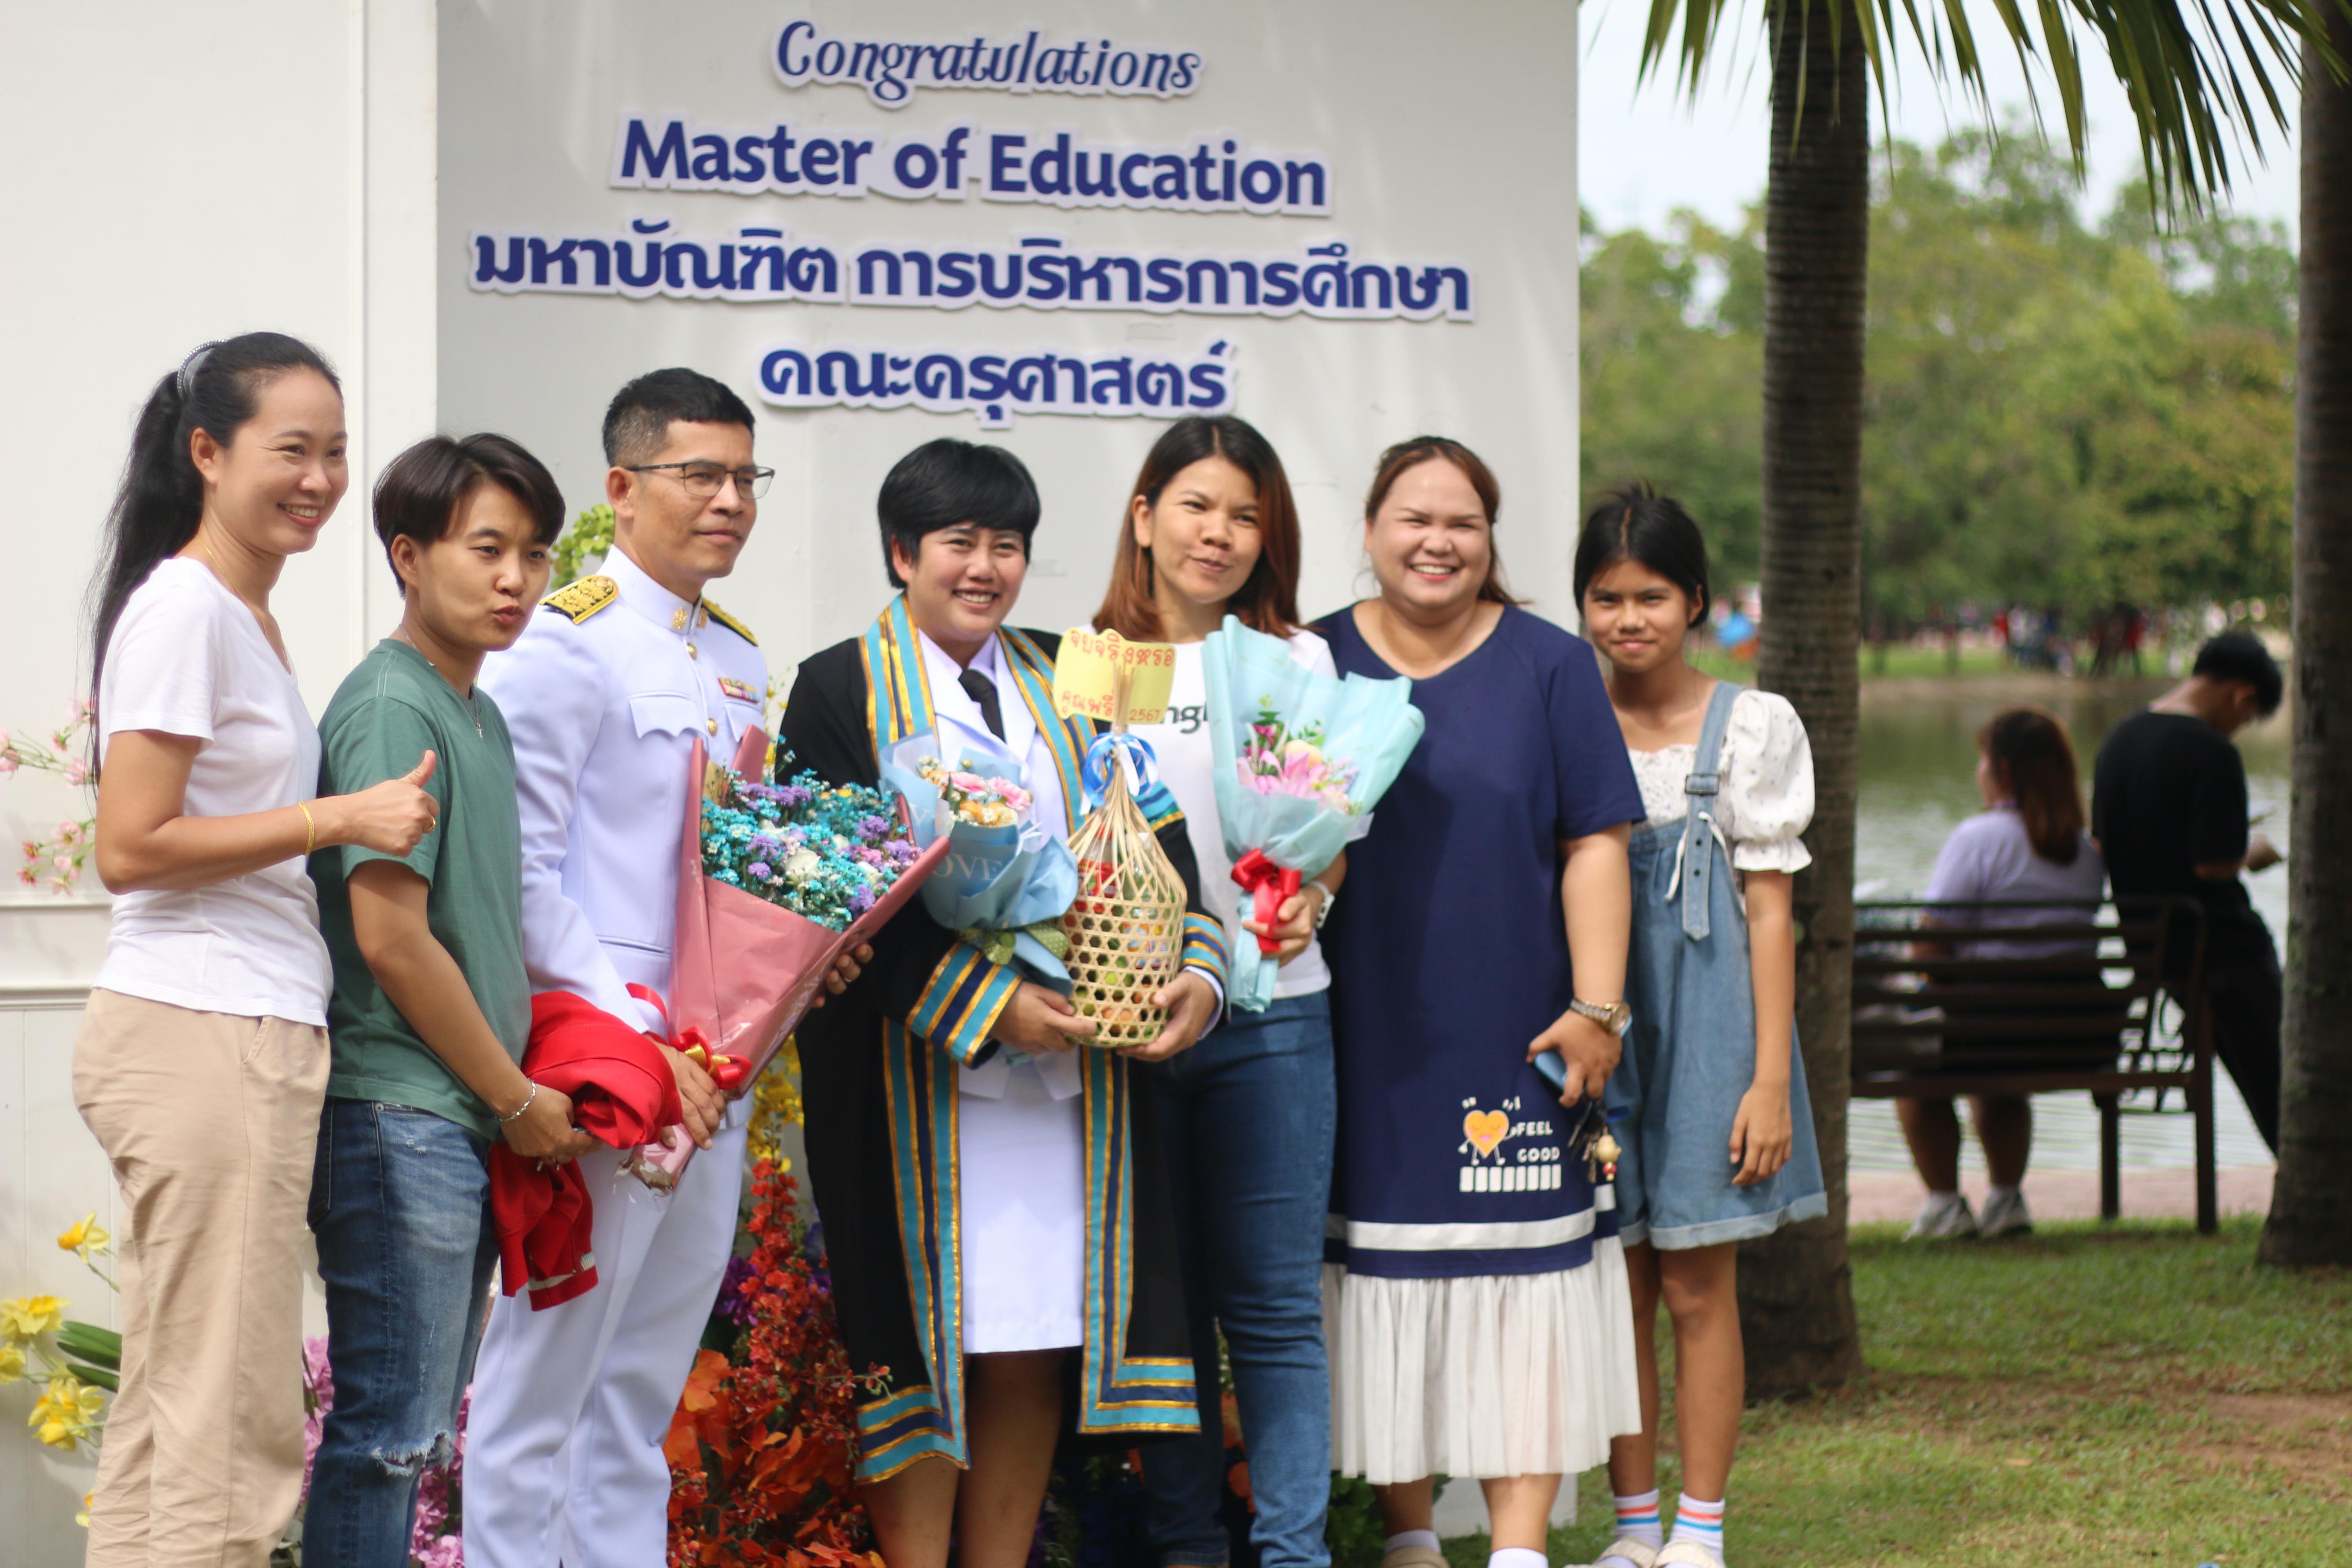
(1127, 925)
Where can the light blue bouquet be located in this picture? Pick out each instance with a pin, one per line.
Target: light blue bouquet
(1301, 760)
(1006, 882)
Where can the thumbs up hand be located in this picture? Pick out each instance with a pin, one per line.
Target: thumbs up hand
(391, 819)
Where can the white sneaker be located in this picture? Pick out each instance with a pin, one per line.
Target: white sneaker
(1942, 1217)
(2005, 1212)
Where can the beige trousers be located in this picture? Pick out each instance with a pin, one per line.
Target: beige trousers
(212, 1122)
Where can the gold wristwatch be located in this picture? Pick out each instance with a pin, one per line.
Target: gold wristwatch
(1614, 1017)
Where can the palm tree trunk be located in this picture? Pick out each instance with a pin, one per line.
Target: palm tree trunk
(2311, 1202)
(1796, 1297)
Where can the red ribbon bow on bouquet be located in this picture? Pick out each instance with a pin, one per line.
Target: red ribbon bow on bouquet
(1269, 887)
(728, 1072)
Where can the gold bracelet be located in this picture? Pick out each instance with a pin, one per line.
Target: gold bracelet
(311, 839)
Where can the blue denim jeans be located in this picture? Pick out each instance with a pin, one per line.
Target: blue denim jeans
(1248, 1117)
(400, 1201)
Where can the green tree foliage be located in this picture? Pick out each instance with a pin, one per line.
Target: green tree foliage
(2060, 415)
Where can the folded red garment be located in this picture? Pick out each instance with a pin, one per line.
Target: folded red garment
(623, 1093)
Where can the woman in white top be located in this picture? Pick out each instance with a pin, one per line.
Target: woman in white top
(202, 1060)
(2029, 844)
(1248, 1114)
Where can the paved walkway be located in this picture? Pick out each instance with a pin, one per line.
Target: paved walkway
(2150, 1193)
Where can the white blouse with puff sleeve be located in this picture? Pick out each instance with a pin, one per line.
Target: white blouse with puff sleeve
(1767, 793)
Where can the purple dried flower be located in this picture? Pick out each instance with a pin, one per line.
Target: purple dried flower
(735, 1290)
(861, 900)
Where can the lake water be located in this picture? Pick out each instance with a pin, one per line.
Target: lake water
(1918, 765)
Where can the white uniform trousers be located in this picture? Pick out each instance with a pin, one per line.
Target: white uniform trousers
(564, 1445)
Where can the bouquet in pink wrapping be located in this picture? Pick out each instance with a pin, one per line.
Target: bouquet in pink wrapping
(775, 881)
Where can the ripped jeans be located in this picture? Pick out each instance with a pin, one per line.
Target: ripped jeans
(400, 1201)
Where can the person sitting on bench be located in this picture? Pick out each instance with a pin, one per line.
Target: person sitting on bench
(2028, 844)
(2168, 810)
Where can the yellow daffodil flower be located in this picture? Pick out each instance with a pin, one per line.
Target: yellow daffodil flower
(67, 1411)
(87, 1236)
(22, 1317)
(82, 1517)
(12, 1363)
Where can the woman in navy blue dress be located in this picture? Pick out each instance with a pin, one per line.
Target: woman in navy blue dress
(1479, 1321)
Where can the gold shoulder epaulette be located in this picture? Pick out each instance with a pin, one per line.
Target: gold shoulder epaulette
(731, 623)
(578, 601)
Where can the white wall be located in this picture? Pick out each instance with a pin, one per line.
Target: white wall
(177, 173)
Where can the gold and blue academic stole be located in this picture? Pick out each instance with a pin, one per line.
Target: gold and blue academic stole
(950, 1023)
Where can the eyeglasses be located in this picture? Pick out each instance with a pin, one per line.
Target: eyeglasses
(703, 480)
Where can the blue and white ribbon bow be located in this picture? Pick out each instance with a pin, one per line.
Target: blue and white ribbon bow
(1095, 773)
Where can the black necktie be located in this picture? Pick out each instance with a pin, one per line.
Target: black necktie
(982, 691)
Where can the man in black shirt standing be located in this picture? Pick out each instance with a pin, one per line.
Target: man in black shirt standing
(2168, 810)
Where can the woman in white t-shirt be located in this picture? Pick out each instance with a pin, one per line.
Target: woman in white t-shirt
(202, 1060)
(1248, 1114)
(2028, 844)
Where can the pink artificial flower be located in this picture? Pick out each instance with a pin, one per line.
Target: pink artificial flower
(64, 863)
(1014, 795)
(8, 764)
(320, 1379)
(970, 784)
(76, 771)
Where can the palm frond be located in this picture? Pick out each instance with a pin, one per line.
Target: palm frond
(2202, 77)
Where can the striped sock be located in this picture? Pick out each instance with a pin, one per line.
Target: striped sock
(1637, 1520)
(1700, 1524)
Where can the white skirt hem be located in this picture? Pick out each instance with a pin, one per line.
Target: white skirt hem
(1482, 1376)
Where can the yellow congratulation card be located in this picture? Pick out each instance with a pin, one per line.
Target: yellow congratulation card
(1103, 676)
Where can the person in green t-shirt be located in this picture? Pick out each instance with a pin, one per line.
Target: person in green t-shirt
(431, 1008)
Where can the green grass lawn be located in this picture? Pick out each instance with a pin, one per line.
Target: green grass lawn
(2083, 1395)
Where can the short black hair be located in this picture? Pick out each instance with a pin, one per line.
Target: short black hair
(1633, 522)
(2241, 656)
(945, 483)
(419, 492)
(641, 414)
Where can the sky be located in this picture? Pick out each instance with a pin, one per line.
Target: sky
(1648, 150)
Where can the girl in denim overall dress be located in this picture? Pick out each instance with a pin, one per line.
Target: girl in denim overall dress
(1716, 1132)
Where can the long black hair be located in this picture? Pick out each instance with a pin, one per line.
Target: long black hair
(1633, 522)
(162, 497)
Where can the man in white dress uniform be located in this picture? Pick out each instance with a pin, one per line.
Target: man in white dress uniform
(612, 682)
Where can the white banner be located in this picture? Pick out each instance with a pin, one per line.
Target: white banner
(883, 222)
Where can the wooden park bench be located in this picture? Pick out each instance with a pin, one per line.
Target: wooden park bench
(1931, 1024)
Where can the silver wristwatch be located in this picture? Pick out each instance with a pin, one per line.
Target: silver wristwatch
(1614, 1017)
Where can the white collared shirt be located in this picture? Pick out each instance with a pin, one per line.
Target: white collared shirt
(957, 717)
(605, 713)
